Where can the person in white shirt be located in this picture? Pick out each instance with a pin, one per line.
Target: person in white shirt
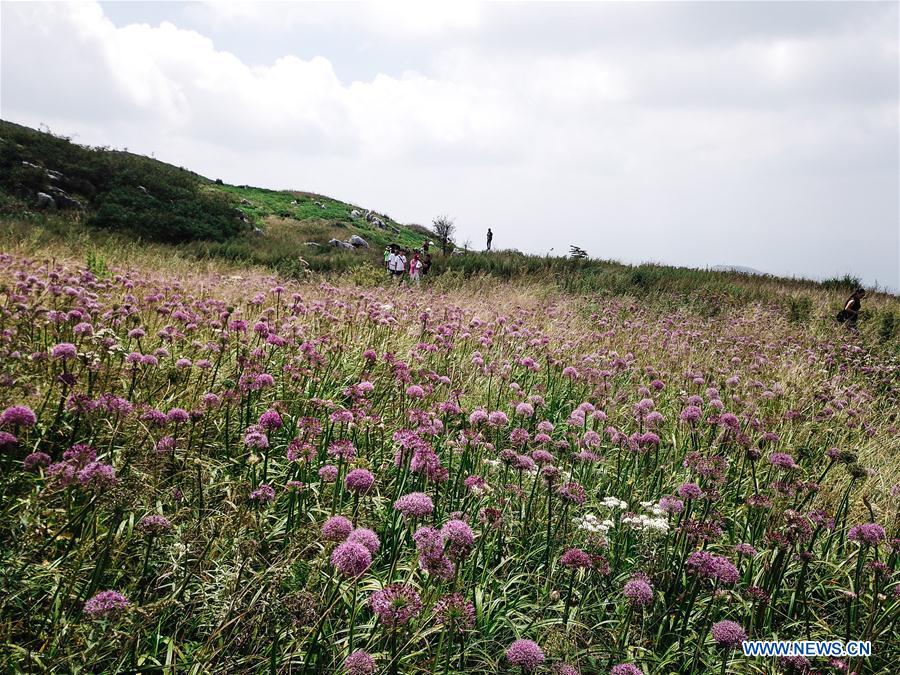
(398, 265)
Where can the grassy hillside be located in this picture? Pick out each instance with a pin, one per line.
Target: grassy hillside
(123, 192)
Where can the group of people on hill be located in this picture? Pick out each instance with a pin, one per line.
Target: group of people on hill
(401, 262)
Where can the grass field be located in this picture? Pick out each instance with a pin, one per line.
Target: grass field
(527, 465)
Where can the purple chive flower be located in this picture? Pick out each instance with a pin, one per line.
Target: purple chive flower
(64, 351)
(342, 449)
(97, 476)
(9, 441)
(359, 663)
(396, 604)
(328, 473)
(455, 613)
(867, 533)
(728, 634)
(525, 409)
(414, 505)
(497, 418)
(106, 605)
(565, 669)
(154, 525)
(178, 416)
(526, 654)
(263, 494)
(575, 558)
(690, 491)
(415, 391)
(366, 537)
(360, 481)
(639, 591)
(18, 416)
(337, 528)
(478, 416)
(270, 420)
(671, 505)
(36, 460)
(572, 492)
(351, 558)
(256, 438)
(710, 566)
(782, 460)
(458, 538)
(691, 414)
(626, 669)
(80, 455)
(745, 549)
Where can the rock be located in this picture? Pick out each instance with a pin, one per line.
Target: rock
(337, 243)
(312, 243)
(258, 232)
(294, 202)
(53, 176)
(358, 241)
(355, 214)
(45, 201)
(32, 166)
(144, 190)
(246, 202)
(377, 222)
(242, 216)
(63, 199)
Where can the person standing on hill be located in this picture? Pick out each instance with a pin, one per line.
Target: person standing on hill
(400, 265)
(850, 313)
(415, 269)
(426, 263)
(387, 257)
(490, 238)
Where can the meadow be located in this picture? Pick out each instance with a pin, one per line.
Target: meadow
(212, 468)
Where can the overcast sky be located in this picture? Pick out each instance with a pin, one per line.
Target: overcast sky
(700, 134)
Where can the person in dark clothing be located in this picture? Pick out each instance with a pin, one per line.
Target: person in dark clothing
(490, 238)
(850, 314)
(426, 262)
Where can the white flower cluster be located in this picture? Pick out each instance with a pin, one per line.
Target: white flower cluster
(592, 524)
(654, 508)
(645, 523)
(614, 503)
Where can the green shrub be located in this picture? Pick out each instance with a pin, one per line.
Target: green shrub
(799, 308)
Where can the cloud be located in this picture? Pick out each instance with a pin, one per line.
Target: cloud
(651, 131)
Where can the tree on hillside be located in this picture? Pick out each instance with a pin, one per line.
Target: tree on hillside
(443, 229)
(577, 252)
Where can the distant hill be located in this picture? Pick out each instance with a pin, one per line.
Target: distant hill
(736, 268)
(121, 191)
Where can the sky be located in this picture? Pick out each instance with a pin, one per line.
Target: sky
(699, 134)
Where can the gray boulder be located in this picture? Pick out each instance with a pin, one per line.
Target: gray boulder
(246, 202)
(358, 241)
(45, 201)
(355, 214)
(337, 243)
(63, 199)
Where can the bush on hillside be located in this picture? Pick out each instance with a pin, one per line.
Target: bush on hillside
(122, 191)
